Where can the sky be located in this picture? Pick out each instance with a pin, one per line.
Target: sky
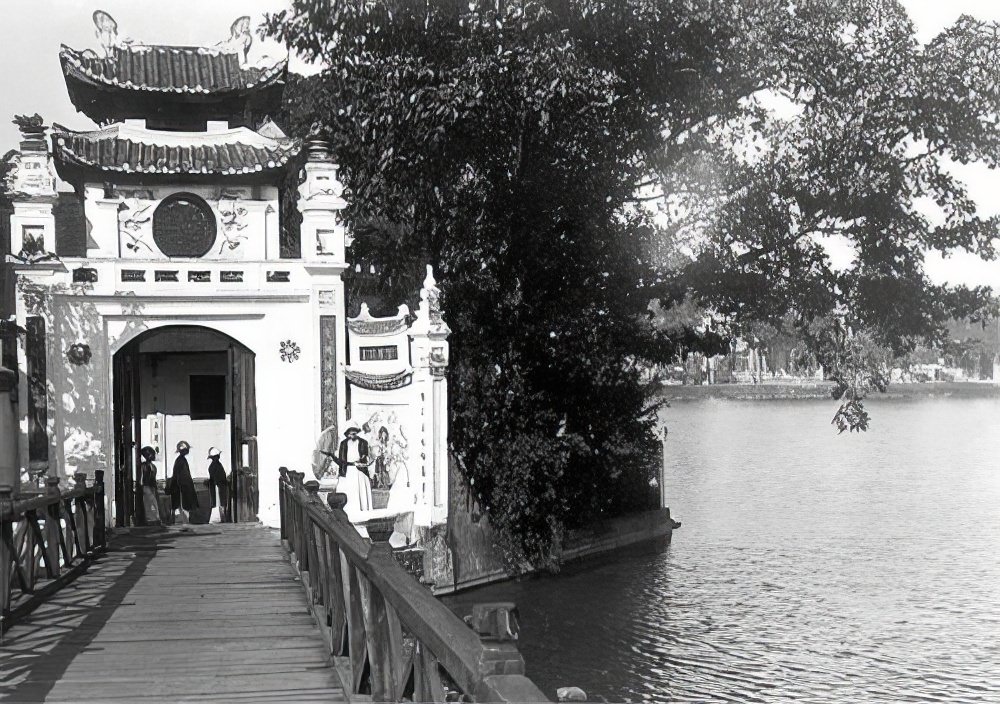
(32, 30)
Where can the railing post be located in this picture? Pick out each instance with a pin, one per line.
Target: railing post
(6, 551)
(313, 547)
(298, 531)
(53, 525)
(100, 532)
(282, 499)
(80, 522)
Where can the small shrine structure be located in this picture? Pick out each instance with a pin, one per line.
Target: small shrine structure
(157, 300)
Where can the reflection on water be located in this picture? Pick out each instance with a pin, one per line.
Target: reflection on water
(810, 566)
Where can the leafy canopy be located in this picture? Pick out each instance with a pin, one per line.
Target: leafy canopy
(564, 163)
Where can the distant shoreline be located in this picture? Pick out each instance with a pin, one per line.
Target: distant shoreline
(778, 391)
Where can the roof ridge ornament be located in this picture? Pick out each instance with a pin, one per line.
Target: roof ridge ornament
(107, 31)
(239, 41)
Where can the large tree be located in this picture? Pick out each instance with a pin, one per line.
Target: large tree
(564, 163)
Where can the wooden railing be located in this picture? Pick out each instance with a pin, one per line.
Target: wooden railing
(47, 541)
(390, 639)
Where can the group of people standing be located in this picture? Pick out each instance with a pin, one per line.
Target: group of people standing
(179, 487)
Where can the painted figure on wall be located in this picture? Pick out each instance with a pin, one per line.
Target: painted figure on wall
(390, 461)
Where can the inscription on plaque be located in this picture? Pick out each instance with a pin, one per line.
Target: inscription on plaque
(133, 275)
(199, 276)
(278, 277)
(166, 276)
(328, 369)
(378, 354)
(84, 275)
(230, 277)
(184, 226)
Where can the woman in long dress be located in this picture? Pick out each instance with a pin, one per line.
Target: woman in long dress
(147, 485)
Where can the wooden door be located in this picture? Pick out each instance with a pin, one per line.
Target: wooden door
(125, 412)
(244, 414)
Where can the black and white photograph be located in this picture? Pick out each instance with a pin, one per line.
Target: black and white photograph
(513, 351)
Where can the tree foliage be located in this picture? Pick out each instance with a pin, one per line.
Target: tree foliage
(563, 163)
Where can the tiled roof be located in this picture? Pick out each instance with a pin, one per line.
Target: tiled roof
(125, 149)
(169, 69)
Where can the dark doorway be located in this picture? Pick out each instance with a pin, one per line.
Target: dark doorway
(186, 383)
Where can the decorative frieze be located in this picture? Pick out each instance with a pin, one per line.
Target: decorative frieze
(379, 382)
(366, 324)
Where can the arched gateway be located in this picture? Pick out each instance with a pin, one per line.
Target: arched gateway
(185, 383)
(164, 295)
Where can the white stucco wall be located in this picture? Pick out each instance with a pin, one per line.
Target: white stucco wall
(287, 389)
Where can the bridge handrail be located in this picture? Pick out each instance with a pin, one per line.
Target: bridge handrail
(61, 531)
(364, 601)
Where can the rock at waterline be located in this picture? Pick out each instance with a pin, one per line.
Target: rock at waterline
(571, 694)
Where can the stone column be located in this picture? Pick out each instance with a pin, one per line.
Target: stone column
(320, 200)
(429, 347)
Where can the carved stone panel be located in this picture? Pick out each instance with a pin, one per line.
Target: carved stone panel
(328, 369)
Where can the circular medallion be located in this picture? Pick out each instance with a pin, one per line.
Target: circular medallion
(184, 226)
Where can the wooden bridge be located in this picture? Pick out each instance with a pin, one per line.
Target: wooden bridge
(232, 612)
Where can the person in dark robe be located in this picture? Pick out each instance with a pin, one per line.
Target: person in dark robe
(182, 494)
(147, 488)
(218, 487)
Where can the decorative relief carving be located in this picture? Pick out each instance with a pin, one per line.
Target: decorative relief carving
(134, 217)
(366, 324)
(79, 354)
(233, 214)
(107, 32)
(239, 40)
(379, 382)
(289, 351)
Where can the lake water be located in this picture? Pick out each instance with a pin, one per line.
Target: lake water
(810, 566)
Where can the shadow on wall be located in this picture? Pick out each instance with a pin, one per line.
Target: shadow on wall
(77, 365)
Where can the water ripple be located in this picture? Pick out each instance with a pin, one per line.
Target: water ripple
(810, 567)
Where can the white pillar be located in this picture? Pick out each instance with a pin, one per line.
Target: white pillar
(320, 202)
(429, 346)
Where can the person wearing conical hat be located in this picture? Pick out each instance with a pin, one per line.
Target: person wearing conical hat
(218, 487)
(182, 494)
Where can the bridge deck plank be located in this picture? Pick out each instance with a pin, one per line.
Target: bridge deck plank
(211, 613)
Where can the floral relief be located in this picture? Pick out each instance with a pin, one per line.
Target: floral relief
(133, 219)
(79, 354)
(233, 214)
(290, 351)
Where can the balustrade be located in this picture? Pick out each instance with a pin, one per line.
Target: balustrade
(390, 639)
(47, 541)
